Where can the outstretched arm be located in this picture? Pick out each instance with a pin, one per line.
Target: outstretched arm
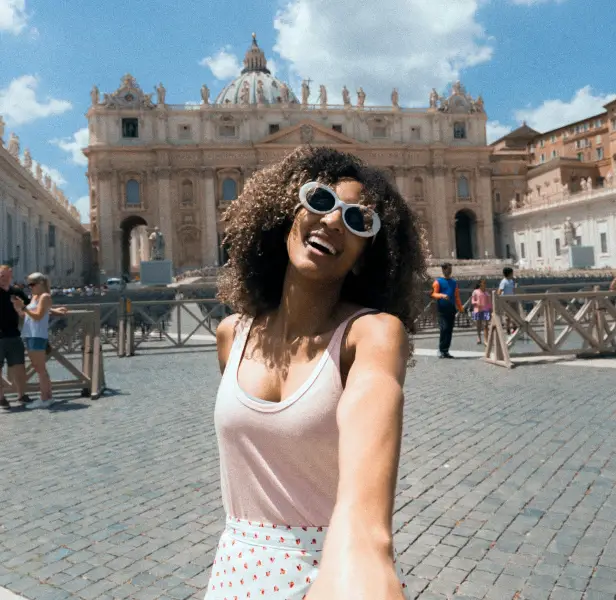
(357, 559)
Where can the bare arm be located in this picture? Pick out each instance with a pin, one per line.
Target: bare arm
(358, 553)
(225, 333)
(42, 308)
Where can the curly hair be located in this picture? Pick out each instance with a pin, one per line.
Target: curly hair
(393, 268)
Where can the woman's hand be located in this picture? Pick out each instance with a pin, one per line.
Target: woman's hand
(18, 303)
(60, 310)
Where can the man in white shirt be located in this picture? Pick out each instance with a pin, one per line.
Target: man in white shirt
(507, 288)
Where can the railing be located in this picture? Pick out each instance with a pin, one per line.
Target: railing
(75, 335)
(579, 324)
(293, 105)
(562, 199)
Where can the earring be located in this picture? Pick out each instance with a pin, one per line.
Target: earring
(356, 270)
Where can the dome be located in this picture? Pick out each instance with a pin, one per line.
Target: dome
(256, 84)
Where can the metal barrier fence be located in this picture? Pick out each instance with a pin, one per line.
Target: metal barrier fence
(580, 324)
(74, 336)
(159, 318)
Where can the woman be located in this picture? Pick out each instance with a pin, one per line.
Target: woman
(482, 309)
(326, 269)
(35, 333)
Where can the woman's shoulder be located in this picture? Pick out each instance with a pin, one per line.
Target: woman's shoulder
(372, 324)
(227, 327)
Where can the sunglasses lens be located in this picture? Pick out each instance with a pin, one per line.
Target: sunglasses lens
(321, 200)
(359, 219)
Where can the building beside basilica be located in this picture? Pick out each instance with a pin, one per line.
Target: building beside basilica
(177, 167)
(39, 229)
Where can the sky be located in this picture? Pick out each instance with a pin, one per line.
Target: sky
(546, 62)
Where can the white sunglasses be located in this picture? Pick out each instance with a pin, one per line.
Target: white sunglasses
(320, 199)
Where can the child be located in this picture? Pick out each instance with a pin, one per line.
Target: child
(507, 288)
(482, 309)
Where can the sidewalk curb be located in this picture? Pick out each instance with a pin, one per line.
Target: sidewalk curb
(8, 595)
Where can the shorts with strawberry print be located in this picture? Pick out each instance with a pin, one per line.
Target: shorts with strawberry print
(259, 560)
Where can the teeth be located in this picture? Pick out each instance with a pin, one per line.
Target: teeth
(317, 240)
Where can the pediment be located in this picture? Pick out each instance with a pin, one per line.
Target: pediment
(307, 132)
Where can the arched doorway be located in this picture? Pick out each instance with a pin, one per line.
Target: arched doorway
(133, 244)
(466, 235)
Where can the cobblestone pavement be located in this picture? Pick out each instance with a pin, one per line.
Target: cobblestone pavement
(507, 484)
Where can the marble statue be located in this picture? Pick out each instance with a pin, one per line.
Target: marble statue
(395, 97)
(589, 184)
(47, 182)
(361, 97)
(162, 93)
(13, 146)
(27, 159)
(305, 92)
(478, 105)
(583, 184)
(108, 101)
(245, 93)
(205, 94)
(565, 189)
(569, 228)
(39, 173)
(346, 96)
(157, 245)
(434, 98)
(284, 93)
(609, 178)
(260, 92)
(54, 190)
(95, 95)
(2, 125)
(513, 204)
(323, 95)
(457, 89)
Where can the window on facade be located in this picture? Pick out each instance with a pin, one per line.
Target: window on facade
(185, 132)
(553, 139)
(580, 156)
(274, 128)
(418, 188)
(554, 153)
(600, 154)
(542, 158)
(52, 236)
(578, 240)
(539, 255)
(557, 246)
(599, 140)
(379, 131)
(603, 239)
(130, 128)
(463, 187)
(415, 133)
(518, 198)
(227, 131)
(132, 193)
(613, 124)
(542, 143)
(522, 250)
(187, 192)
(337, 128)
(507, 251)
(229, 189)
(497, 198)
(459, 131)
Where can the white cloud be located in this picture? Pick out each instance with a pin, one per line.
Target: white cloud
(13, 17)
(74, 146)
(496, 130)
(223, 65)
(412, 45)
(55, 175)
(83, 206)
(272, 65)
(18, 102)
(556, 113)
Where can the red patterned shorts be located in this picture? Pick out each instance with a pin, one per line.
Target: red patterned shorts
(258, 560)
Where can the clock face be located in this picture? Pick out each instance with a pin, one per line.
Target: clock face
(129, 97)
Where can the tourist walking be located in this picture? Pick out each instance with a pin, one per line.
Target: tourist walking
(325, 269)
(482, 309)
(35, 333)
(11, 346)
(447, 295)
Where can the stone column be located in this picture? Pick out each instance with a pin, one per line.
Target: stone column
(402, 181)
(165, 209)
(107, 259)
(145, 243)
(211, 229)
(484, 197)
(440, 217)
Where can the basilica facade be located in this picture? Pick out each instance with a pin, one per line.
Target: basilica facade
(178, 167)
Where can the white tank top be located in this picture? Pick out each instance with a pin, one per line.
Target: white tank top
(35, 329)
